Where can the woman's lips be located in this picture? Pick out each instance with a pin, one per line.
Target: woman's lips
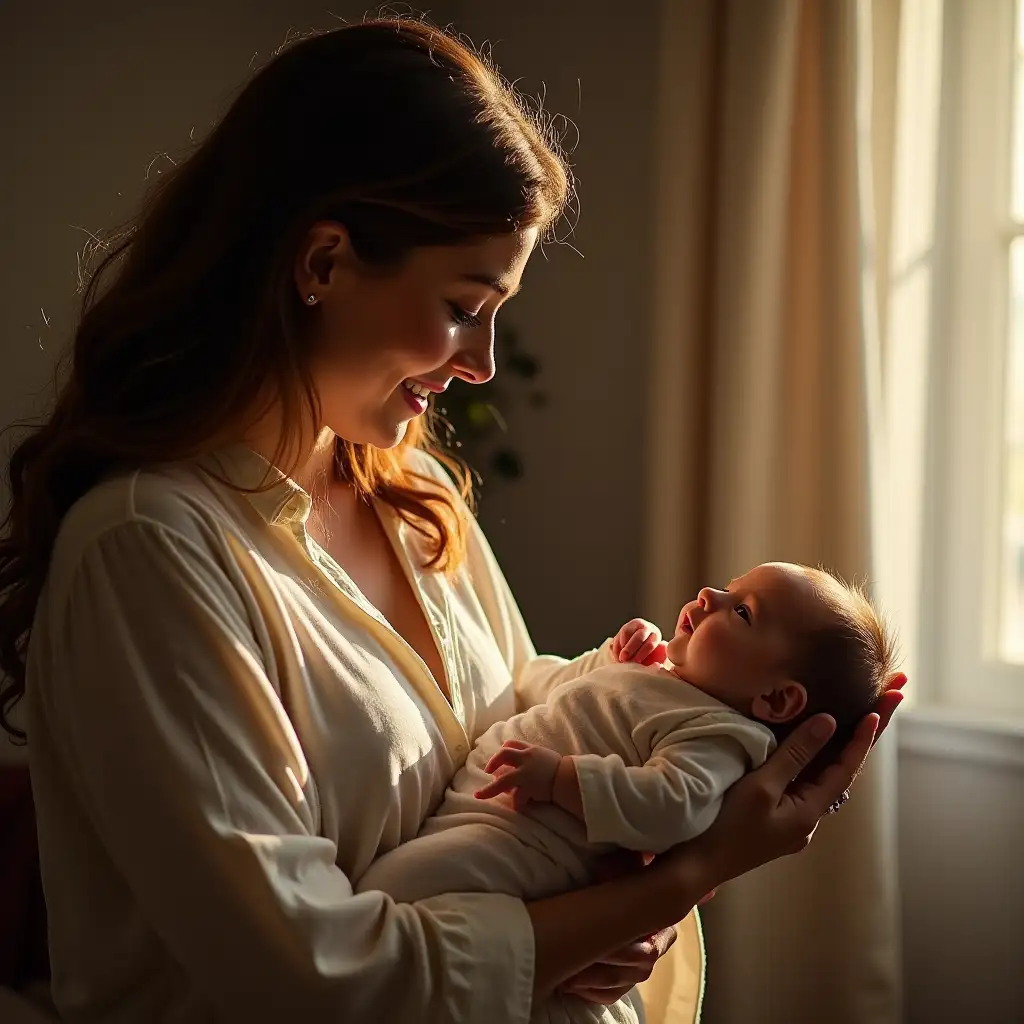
(415, 402)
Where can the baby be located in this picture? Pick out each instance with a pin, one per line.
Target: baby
(637, 744)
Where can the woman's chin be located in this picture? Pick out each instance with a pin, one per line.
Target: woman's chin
(390, 438)
(383, 434)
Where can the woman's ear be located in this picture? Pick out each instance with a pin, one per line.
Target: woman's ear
(325, 255)
(780, 704)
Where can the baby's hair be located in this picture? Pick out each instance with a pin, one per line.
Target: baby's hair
(845, 665)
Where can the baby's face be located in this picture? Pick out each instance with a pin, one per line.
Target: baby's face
(739, 644)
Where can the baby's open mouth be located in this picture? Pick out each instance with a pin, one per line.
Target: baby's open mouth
(687, 625)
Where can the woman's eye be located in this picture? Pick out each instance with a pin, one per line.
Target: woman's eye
(744, 613)
(463, 317)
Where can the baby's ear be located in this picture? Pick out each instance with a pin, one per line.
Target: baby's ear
(781, 703)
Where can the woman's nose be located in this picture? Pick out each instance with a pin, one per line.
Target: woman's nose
(474, 362)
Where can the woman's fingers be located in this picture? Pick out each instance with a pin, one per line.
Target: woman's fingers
(817, 796)
(600, 996)
(795, 753)
(888, 703)
(643, 953)
(609, 980)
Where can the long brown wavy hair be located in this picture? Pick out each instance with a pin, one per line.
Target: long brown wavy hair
(392, 127)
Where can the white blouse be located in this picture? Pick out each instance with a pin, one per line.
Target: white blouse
(224, 734)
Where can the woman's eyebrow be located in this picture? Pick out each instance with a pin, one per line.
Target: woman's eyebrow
(492, 282)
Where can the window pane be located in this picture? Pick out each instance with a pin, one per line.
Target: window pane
(1012, 612)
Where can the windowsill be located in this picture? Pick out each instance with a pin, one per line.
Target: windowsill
(954, 733)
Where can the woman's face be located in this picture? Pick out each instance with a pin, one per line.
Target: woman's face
(383, 340)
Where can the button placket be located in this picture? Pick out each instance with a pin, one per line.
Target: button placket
(440, 618)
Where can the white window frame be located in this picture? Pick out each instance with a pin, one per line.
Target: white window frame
(960, 642)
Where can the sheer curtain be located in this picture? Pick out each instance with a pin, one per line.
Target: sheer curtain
(781, 195)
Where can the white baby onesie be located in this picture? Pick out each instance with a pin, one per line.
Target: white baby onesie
(654, 756)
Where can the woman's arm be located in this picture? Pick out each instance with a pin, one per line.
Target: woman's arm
(763, 817)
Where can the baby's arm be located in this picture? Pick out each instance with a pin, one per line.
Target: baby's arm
(533, 773)
(638, 640)
(672, 798)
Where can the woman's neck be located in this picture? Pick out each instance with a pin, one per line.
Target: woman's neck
(316, 472)
(313, 463)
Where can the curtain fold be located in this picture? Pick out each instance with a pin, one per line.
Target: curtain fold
(760, 435)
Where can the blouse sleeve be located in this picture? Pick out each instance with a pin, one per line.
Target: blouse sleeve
(191, 775)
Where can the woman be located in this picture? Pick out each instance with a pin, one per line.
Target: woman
(255, 623)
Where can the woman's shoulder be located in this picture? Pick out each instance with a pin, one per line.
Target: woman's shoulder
(177, 498)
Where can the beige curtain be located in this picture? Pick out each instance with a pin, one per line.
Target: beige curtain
(762, 382)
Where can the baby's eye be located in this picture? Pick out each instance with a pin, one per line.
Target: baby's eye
(744, 613)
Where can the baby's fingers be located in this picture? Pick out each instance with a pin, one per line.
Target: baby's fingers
(517, 745)
(505, 782)
(647, 648)
(634, 644)
(658, 656)
(512, 753)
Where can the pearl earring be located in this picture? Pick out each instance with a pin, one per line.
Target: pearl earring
(310, 300)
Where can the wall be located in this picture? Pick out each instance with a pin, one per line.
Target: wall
(961, 848)
(569, 535)
(93, 92)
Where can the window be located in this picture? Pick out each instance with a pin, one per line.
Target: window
(973, 647)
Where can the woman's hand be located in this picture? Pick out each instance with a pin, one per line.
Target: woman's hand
(608, 981)
(765, 815)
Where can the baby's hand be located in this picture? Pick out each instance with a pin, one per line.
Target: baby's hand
(524, 770)
(639, 641)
